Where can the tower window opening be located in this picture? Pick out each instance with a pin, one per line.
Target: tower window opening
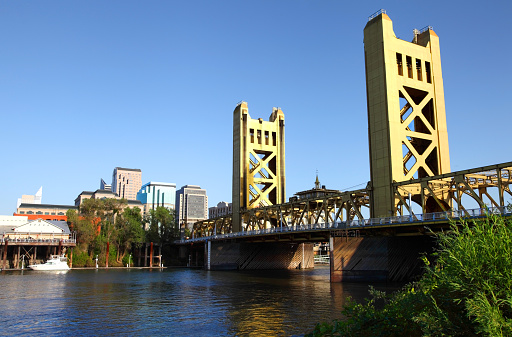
(399, 64)
(274, 139)
(408, 60)
(251, 132)
(266, 137)
(427, 72)
(418, 70)
(258, 135)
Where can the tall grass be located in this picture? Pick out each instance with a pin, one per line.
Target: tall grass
(466, 292)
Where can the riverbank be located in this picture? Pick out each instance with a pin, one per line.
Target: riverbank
(466, 292)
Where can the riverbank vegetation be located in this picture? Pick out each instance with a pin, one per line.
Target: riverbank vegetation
(102, 221)
(466, 292)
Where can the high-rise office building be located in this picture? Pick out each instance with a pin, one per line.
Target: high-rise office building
(104, 186)
(126, 182)
(191, 205)
(153, 195)
(31, 199)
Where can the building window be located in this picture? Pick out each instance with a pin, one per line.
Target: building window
(53, 213)
(266, 137)
(39, 212)
(274, 139)
(399, 64)
(30, 212)
(408, 60)
(22, 212)
(418, 70)
(60, 213)
(427, 72)
(46, 213)
(251, 132)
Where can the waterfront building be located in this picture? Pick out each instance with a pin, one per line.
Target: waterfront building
(191, 205)
(223, 208)
(126, 182)
(24, 241)
(155, 194)
(22, 228)
(103, 194)
(44, 211)
(31, 199)
(12, 221)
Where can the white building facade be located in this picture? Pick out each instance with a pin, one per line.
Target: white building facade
(223, 208)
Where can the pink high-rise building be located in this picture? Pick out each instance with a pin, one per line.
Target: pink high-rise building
(126, 182)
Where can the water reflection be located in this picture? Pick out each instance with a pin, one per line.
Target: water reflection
(172, 301)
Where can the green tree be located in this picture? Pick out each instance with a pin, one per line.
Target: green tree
(102, 221)
(163, 228)
(84, 227)
(130, 231)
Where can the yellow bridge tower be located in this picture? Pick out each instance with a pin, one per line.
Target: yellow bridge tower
(406, 114)
(258, 162)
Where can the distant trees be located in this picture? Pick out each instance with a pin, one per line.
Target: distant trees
(102, 221)
(163, 227)
(99, 221)
(130, 231)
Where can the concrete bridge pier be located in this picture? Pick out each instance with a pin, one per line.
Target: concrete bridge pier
(258, 255)
(377, 259)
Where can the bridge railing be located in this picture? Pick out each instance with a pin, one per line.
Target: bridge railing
(27, 240)
(354, 224)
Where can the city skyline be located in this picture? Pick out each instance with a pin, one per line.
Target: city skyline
(92, 86)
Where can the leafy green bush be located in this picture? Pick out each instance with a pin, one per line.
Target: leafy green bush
(467, 292)
(80, 258)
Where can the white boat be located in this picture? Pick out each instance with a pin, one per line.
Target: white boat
(55, 262)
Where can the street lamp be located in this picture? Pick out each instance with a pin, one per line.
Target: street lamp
(96, 261)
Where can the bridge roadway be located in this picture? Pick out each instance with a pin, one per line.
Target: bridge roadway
(406, 225)
(377, 249)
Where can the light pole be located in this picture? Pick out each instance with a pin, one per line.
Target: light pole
(129, 259)
(96, 261)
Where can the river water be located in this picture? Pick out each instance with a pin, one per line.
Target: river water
(182, 302)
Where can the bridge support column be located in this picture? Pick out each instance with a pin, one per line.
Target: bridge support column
(260, 255)
(377, 259)
(208, 253)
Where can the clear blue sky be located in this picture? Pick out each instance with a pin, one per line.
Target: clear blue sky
(86, 86)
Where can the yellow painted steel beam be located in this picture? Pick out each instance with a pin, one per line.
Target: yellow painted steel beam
(406, 114)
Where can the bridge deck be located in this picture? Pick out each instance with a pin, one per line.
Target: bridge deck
(407, 225)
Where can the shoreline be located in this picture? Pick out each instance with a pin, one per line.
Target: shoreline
(105, 268)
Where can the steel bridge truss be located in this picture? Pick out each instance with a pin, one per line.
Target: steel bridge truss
(486, 186)
(339, 207)
(457, 191)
